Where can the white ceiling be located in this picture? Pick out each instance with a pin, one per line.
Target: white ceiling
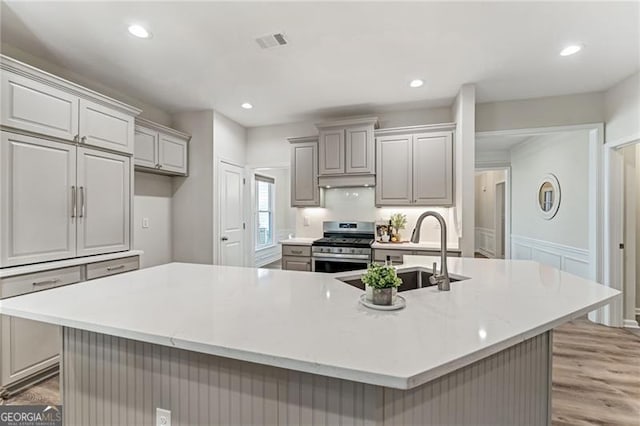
(342, 57)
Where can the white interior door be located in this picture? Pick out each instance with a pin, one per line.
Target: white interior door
(231, 190)
(500, 219)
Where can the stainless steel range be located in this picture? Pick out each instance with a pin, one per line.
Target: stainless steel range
(346, 246)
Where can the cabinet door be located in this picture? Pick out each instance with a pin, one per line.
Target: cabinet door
(28, 347)
(37, 178)
(394, 171)
(433, 169)
(105, 127)
(360, 147)
(304, 175)
(145, 153)
(36, 107)
(173, 154)
(296, 264)
(103, 202)
(332, 152)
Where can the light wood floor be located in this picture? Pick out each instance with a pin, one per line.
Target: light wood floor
(596, 377)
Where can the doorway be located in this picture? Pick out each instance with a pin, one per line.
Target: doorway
(492, 235)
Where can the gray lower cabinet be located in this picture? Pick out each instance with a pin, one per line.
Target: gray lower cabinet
(305, 191)
(30, 350)
(296, 258)
(160, 149)
(414, 169)
(397, 256)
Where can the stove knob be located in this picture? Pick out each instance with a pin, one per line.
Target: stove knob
(339, 250)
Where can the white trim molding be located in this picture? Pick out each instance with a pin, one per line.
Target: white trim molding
(486, 241)
(566, 258)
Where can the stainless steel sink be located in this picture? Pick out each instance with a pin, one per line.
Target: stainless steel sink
(412, 279)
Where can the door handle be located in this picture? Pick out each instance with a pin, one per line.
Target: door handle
(74, 207)
(225, 238)
(81, 201)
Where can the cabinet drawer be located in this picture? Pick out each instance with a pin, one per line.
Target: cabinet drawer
(396, 256)
(28, 283)
(296, 251)
(112, 267)
(296, 264)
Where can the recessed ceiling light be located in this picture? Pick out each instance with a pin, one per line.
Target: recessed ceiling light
(570, 50)
(139, 31)
(246, 105)
(416, 83)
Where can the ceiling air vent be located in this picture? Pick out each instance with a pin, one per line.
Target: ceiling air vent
(271, 40)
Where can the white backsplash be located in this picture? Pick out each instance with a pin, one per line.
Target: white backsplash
(358, 204)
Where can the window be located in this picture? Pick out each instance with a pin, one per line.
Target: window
(264, 202)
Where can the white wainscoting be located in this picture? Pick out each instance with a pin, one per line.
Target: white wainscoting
(269, 255)
(566, 258)
(486, 241)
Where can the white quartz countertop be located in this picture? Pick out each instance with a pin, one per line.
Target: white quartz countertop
(411, 246)
(46, 266)
(312, 322)
(298, 241)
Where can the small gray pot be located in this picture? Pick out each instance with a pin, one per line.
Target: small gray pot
(383, 296)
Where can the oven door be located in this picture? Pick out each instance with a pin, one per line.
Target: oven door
(332, 264)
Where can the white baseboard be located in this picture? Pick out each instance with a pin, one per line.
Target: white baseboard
(630, 324)
(566, 258)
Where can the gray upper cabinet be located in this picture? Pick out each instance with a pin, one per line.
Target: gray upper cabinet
(395, 178)
(414, 168)
(37, 102)
(38, 108)
(359, 147)
(347, 147)
(37, 190)
(305, 191)
(433, 169)
(105, 127)
(103, 202)
(160, 149)
(331, 152)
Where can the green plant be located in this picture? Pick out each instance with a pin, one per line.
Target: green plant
(399, 221)
(381, 276)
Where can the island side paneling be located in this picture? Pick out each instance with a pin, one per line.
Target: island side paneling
(112, 380)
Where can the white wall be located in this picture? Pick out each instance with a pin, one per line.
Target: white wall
(638, 229)
(192, 207)
(464, 114)
(566, 155)
(153, 201)
(622, 110)
(630, 235)
(358, 204)
(541, 112)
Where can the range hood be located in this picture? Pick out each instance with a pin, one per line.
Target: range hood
(344, 181)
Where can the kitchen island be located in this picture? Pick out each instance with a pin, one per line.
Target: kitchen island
(226, 345)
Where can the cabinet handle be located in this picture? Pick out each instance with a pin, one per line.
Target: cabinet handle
(83, 139)
(81, 201)
(115, 268)
(159, 166)
(296, 251)
(45, 282)
(74, 208)
(76, 138)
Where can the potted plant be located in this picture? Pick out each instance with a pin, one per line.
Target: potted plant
(383, 281)
(398, 221)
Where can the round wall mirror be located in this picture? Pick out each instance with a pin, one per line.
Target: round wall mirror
(548, 196)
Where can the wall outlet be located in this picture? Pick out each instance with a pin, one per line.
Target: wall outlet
(145, 222)
(307, 222)
(163, 417)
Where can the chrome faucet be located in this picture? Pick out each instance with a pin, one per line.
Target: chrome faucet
(442, 279)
